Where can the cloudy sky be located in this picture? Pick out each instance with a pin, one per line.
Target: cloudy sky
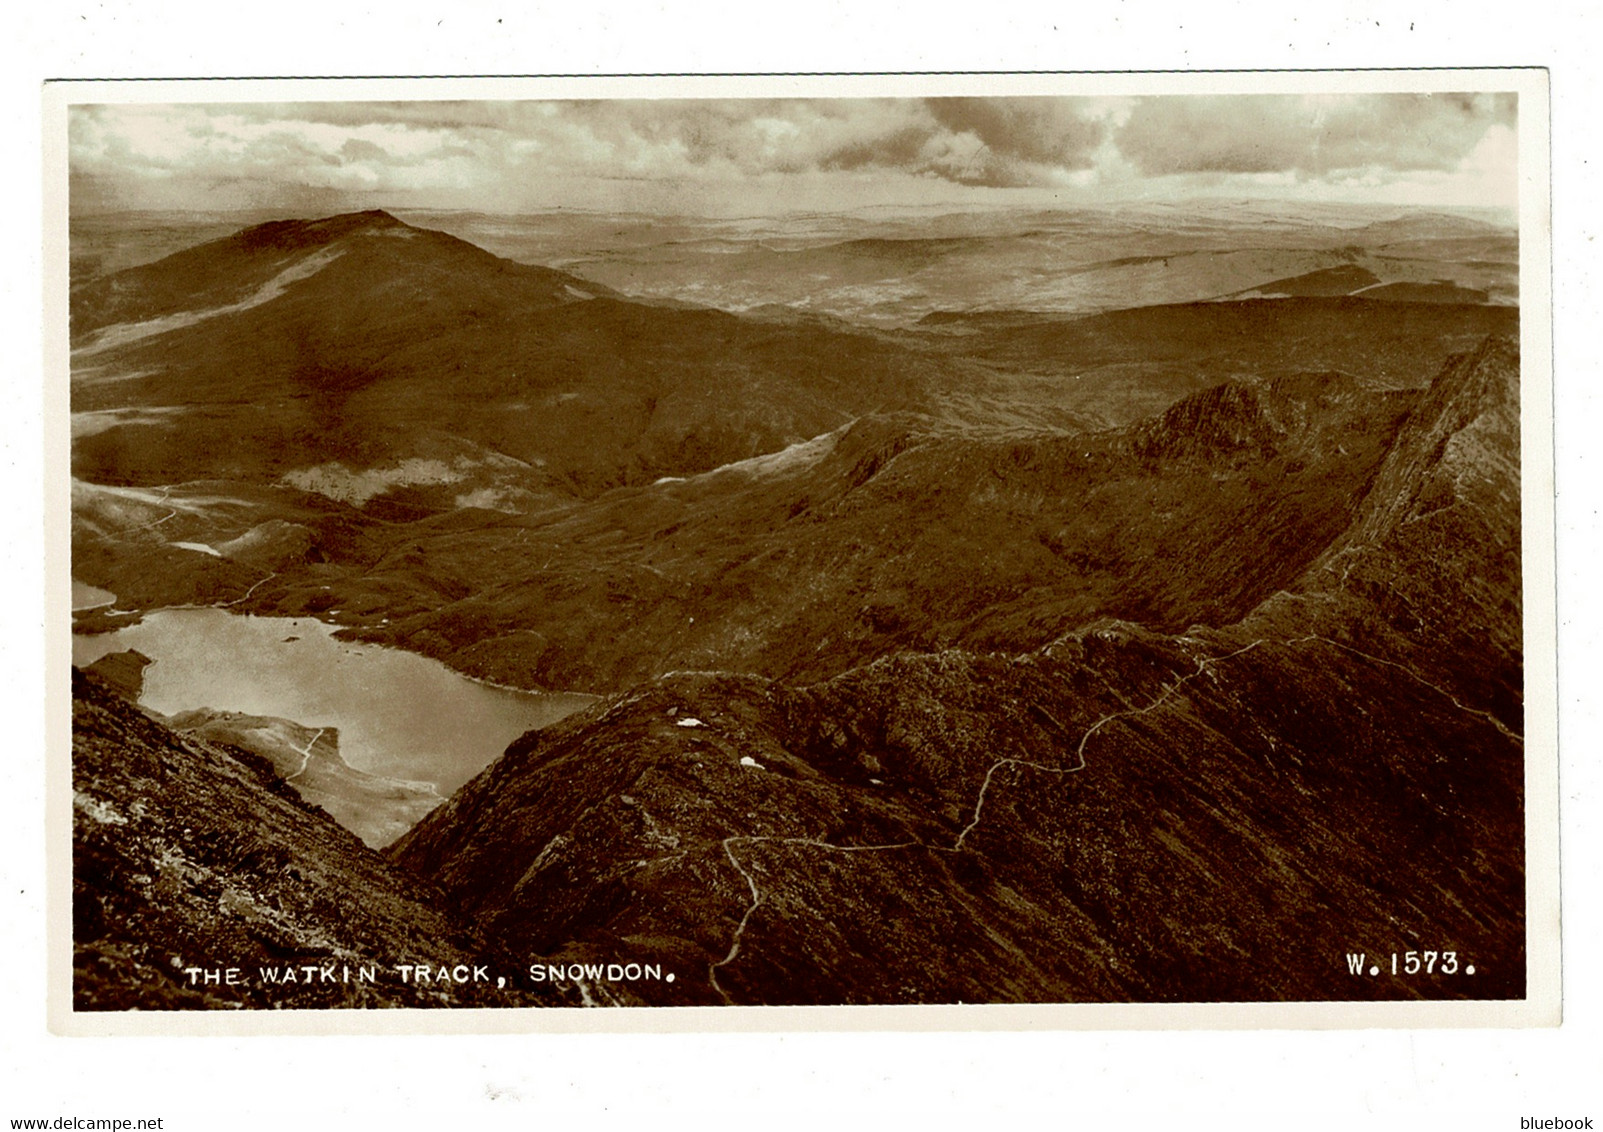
(739, 157)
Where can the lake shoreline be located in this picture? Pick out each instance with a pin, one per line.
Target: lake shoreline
(402, 715)
(135, 616)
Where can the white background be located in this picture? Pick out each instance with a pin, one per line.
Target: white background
(1393, 1079)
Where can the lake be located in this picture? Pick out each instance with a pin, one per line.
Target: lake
(399, 714)
(85, 596)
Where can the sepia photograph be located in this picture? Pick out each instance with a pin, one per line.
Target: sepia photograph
(1060, 545)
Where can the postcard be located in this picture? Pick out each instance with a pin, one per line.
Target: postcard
(878, 552)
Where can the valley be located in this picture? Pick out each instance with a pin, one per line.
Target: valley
(1025, 607)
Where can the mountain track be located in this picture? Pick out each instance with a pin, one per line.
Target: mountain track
(1204, 664)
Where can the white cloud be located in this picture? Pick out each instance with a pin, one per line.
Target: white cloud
(718, 155)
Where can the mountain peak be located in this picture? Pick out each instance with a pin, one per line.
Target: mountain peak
(294, 234)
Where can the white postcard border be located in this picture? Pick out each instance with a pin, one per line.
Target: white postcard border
(1541, 1007)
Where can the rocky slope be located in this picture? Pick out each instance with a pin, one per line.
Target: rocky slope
(1166, 653)
(1218, 813)
(895, 534)
(377, 809)
(192, 856)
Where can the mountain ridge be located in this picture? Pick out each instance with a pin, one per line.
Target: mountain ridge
(1171, 653)
(1120, 816)
(805, 568)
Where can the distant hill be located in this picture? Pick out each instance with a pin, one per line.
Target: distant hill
(890, 268)
(466, 458)
(331, 349)
(1330, 281)
(1167, 652)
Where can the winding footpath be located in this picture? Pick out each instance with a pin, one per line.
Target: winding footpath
(162, 501)
(729, 844)
(1417, 678)
(243, 597)
(306, 755)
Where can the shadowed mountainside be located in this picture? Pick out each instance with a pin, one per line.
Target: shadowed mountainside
(194, 854)
(322, 350)
(893, 535)
(489, 463)
(1122, 814)
(1168, 653)
(1125, 365)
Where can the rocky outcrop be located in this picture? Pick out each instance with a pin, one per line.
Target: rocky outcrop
(123, 672)
(375, 808)
(1218, 814)
(896, 535)
(193, 858)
